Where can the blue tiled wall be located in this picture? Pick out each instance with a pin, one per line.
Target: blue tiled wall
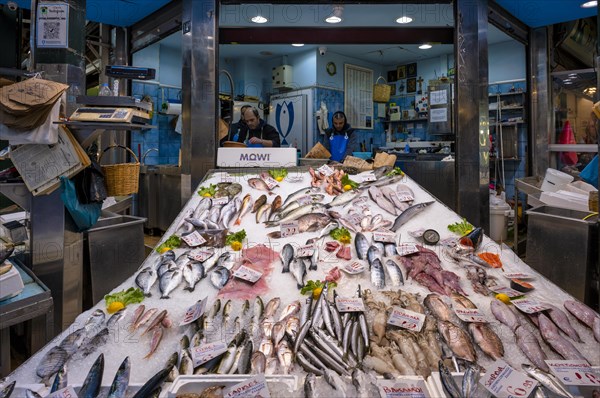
(164, 138)
(334, 99)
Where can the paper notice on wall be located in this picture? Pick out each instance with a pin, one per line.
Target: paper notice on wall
(438, 115)
(439, 97)
(52, 25)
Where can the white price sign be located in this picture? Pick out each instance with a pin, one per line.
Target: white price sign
(194, 312)
(384, 236)
(201, 254)
(469, 314)
(325, 170)
(354, 219)
(505, 382)
(306, 251)
(405, 198)
(574, 372)
(206, 352)
(406, 319)
(250, 388)
(360, 201)
(193, 239)
(223, 200)
(529, 306)
(506, 290)
(353, 268)
(350, 304)
(271, 182)
(227, 178)
(289, 228)
(400, 389)
(517, 275)
(247, 274)
(367, 177)
(68, 392)
(404, 249)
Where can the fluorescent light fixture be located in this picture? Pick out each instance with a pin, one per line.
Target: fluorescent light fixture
(425, 46)
(590, 91)
(404, 20)
(567, 82)
(589, 4)
(573, 75)
(259, 19)
(336, 15)
(298, 44)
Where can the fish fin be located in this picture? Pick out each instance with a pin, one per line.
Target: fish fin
(271, 193)
(164, 297)
(149, 355)
(312, 268)
(285, 270)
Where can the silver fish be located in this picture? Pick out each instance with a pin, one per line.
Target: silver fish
(60, 381)
(193, 272)
(52, 362)
(258, 307)
(373, 253)
(226, 260)
(229, 213)
(377, 274)
(292, 325)
(164, 267)
(380, 182)
(305, 312)
(298, 270)
(336, 382)
(203, 205)
(146, 279)
(362, 245)
(219, 277)
(299, 212)
(244, 361)
(308, 366)
(392, 197)
(309, 383)
(582, 312)
(73, 341)
(381, 201)
(286, 255)
(227, 308)
(561, 345)
(530, 346)
(548, 380)
(409, 213)
(169, 282)
(215, 213)
(470, 380)
(258, 362)
(115, 318)
(448, 382)
(94, 321)
(266, 347)
(344, 198)
(259, 184)
(504, 314)
(186, 366)
(394, 272)
(291, 309)
(299, 193)
(118, 388)
(389, 250)
(91, 386)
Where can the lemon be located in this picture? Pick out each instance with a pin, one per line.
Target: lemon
(503, 297)
(279, 178)
(114, 307)
(236, 246)
(317, 292)
(347, 187)
(164, 250)
(207, 195)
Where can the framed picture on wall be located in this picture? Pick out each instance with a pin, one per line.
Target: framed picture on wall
(392, 88)
(401, 72)
(411, 70)
(411, 85)
(392, 76)
(401, 87)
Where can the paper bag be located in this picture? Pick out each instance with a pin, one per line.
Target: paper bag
(318, 152)
(357, 163)
(384, 159)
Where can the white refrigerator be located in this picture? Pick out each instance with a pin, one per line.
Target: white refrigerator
(291, 117)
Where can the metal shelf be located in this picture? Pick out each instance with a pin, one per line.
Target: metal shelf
(86, 132)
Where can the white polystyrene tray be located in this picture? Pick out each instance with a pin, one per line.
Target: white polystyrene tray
(43, 390)
(198, 383)
(11, 284)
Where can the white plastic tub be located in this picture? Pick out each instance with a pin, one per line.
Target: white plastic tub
(198, 383)
(555, 180)
(499, 221)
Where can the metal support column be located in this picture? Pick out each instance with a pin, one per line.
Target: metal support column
(540, 128)
(472, 127)
(199, 92)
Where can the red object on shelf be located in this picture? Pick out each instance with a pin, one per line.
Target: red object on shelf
(567, 137)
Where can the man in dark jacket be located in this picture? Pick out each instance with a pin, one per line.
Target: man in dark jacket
(236, 130)
(340, 139)
(259, 133)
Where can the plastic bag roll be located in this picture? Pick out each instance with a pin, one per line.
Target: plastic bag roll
(172, 109)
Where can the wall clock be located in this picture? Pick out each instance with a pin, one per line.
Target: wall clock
(331, 69)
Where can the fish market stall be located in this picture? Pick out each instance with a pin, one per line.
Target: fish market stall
(348, 278)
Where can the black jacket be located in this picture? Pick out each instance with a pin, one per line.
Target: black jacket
(263, 131)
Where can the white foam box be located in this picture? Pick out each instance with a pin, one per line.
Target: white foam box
(198, 383)
(11, 283)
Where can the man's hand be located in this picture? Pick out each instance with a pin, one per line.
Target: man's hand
(256, 140)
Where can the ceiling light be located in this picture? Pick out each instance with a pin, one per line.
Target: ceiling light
(336, 15)
(589, 4)
(404, 20)
(590, 91)
(567, 82)
(425, 46)
(573, 75)
(259, 19)
(298, 44)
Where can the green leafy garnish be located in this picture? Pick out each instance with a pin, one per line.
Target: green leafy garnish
(341, 235)
(130, 296)
(210, 191)
(172, 242)
(235, 237)
(347, 181)
(461, 228)
(397, 171)
(311, 286)
(278, 174)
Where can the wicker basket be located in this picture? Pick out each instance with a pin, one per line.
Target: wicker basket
(123, 178)
(381, 91)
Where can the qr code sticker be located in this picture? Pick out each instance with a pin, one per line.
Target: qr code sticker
(51, 30)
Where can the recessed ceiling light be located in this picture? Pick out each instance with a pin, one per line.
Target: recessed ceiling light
(567, 82)
(590, 91)
(336, 15)
(333, 19)
(589, 4)
(425, 46)
(259, 19)
(573, 75)
(298, 44)
(404, 20)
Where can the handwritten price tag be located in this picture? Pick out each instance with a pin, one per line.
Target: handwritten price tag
(250, 388)
(354, 219)
(405, 198)
(68, 392)
(353, 268)
(194, 312)
(517, 275)
(271, 182)
(193, 239)
(201, 254)
(306, 251)
(227, 178)
(247, 274)
(325, 170)
(399, 389)
(404, 249)
(289, 228)
(350, 304)
(469, 314)
(206, 352)
(361, 201)
(529, 306)
(504, 382)
(223, 200)
(574, 373)
(506, 290)
(406, 319)
(384, 236)
(367, 177)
